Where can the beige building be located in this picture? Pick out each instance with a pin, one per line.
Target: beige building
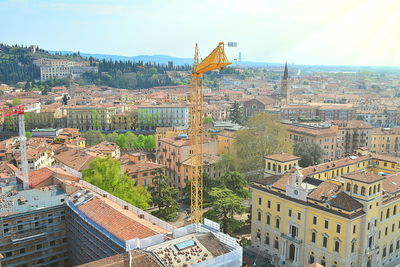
(87, 118)
(385, 141)
(173, 152)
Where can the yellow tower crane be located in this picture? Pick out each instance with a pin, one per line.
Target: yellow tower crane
(215, 60)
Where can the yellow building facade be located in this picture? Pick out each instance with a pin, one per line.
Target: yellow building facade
(340, 213)
(385, 141)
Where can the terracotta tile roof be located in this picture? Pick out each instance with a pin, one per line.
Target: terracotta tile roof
(345, 202)
(7, 170)
(113, 221)
(333, 165)
(315, 265)
(352, 124)
(283, 157)
(75, 157)
(142, 166)
(39, 176)
(391, 183)
(385, 131)
(226, 133)
(207, 159)
(104, 146)
(325, 191)
(386, 158)
(331, 131)
(364, 176)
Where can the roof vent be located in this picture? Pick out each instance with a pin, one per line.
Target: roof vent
(141, 215)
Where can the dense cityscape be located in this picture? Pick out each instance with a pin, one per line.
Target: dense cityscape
(215, 160)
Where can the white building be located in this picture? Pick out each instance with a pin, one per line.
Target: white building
(164, 115)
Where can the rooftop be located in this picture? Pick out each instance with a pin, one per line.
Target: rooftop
(16, 202)
(189, 249)
(283, 157)
(364, 176)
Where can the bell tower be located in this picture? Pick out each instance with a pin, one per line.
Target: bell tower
(285, 93)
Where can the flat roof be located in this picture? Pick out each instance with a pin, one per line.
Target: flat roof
(189, 249)
(30, 200)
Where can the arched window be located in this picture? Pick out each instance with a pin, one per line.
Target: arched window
(348, 187)
(391, 249)
(355, 189)
(374, 189)
(388, 213)
(268, 219)
(384, 252)
(269, 166)
(290, 166)
(279, 168)
(379, 188)
(313, 237)
(394, 210)
(259, 215)
(362, 190)
(277, 223)
(370, 190)
(274, 167)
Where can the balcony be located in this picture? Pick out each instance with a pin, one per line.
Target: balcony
(291, 238)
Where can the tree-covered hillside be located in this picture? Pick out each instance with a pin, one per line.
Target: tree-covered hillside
(16, 65)
(131, 75)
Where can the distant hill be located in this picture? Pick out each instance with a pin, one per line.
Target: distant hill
(163, 59)
(160, 59)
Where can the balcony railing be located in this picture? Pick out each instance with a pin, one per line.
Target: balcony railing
(291, 238)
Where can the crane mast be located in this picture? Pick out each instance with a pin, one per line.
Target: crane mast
(215, 60)
(20, 111)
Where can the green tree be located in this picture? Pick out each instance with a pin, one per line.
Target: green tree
(107, 174)
(164, 197)
(95, 119)
(16, 102)
(122, 141)
(263, 135)
(208, 119)
(9, 123)
(130, 139)
(236, 183)
(226, 163)
(28, 134)
(310, 154)
(93, 137)
(112, 137)
(224, 205)
(236, 114)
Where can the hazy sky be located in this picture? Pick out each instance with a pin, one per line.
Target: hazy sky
(344, 32)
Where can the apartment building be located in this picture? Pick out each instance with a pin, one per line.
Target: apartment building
(340, 213)
(385, 140)
(33, 230)
(173, 152)
(352, 135)
(225, 140)
(87, 118)
(324, 135)
(61, 68)
(141, 170)
(124, 121)
(164, 115)
(318, 111)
